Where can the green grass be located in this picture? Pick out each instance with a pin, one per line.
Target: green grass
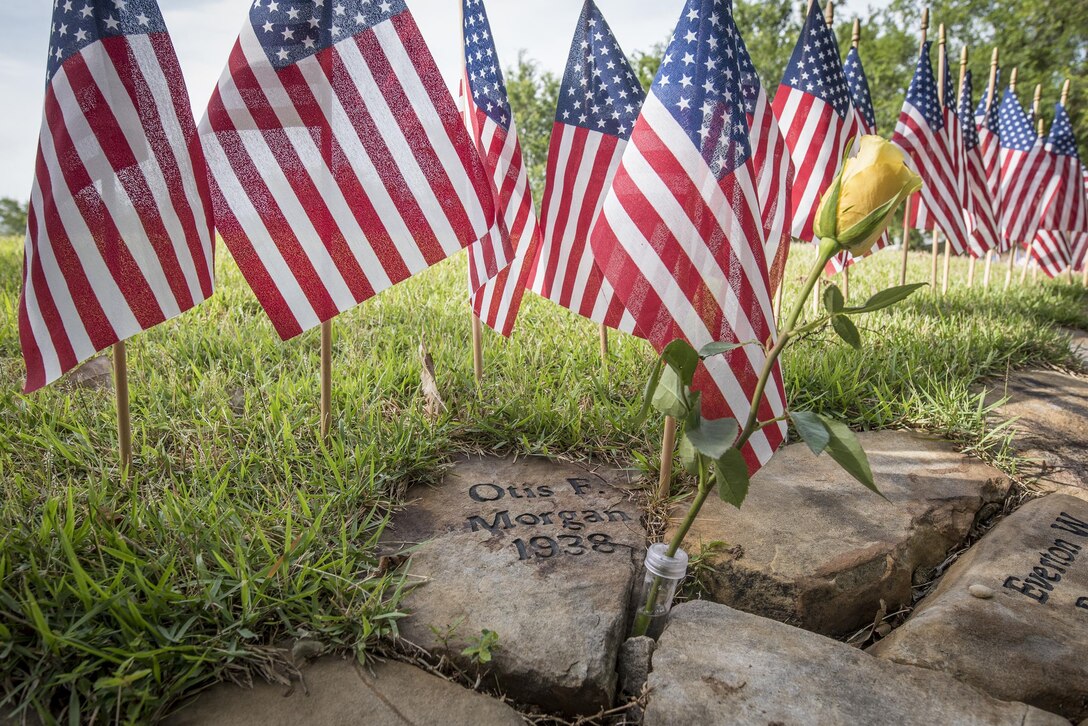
(237, 531)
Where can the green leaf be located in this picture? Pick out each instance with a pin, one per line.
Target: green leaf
(718, 347)
(669, 396)
(812, 430)
(847, 330)
(731, 471)
(886, 298)
(713, 437)
(689, 457)
(845, 449)
(833, 299)
(650, 390)
(681, 356)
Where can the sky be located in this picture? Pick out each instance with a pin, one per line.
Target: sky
(204, 31)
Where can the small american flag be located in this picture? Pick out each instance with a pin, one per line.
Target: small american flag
(981, 211)
(339, 164)
(599, 102)
(814, 110)
(862, 101)
(1025, 172)
(1053, 251)
(1080, 241)
(989, 147)
(1067, 209)
(929, 132)
(119, 233)
(773, 165)
(500, 263)
(680, 236)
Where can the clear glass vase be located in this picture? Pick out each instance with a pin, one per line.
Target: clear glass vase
(654, 601)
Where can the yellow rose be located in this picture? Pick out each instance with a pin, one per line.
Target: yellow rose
(860, 204)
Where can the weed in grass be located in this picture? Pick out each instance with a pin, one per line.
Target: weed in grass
(237, 530)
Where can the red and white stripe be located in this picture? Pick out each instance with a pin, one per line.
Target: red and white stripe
(1052, 251)
(500, 263)
(816, 136)
(687, 258)
(1066, 205)
(581, 166)
(774, 174)
(1025, 181)
(989, 151)
(119, 235)
(340, 175)
(937, 156)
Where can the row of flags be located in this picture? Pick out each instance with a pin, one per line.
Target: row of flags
(334, 163)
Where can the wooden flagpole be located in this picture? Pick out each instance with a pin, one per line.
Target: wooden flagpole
(942, 63)
(1035, 110)
(1013, 245)
(907, 206)
(326, 378)
(948, 242)
(124, 422)
(604, 346)
(477, 333)
(991, 88)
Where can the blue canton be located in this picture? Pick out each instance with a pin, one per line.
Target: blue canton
(949, 91)
(859, 87)
(78, 23)
(699, 84)
(922, 93)
(750, 86)
(1017, 131)
(600, 90)
(815, 67)
(970, 132)
(1062, 141)
(292, 30)
(484, 75)
(980, 110)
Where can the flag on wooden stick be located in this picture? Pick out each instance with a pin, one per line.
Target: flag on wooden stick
(1025, 173)
(929, 132)
(119, 233)
(814, 111)
(981, 210)
(340, 166)
(599, 101)
(1067, 208)
(680, 237)
(500, 263)
(989, 150)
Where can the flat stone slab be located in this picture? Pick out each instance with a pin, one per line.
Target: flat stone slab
(1011, 615)
(1051, 409)
(715, 665)
(543, 553)
(95, 374)
(813, 548)
(338, 692)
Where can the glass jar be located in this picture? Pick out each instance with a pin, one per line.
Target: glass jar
(663, 575)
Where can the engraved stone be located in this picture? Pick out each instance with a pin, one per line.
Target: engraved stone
(1028, 643)
(543, 553)
(813, 548)
(715, 666)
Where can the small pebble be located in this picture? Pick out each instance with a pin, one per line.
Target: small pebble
(981, 592)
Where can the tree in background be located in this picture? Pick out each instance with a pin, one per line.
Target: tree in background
(12, 217)
(534, 95)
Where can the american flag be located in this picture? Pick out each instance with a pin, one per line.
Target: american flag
(680, 236)
(814, 110)
(1080, 241)
(989, 147)
(1025, 172)
(929, 132)
(119, 235)
(981, 210)
(1067, 208)
(339, 163)
(1053, 251)
(599, 102)
(500, 263)
(862, 101)
(773, 165)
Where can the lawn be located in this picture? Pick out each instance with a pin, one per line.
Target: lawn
(237, 529)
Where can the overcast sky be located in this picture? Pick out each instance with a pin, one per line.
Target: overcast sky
(204, 31)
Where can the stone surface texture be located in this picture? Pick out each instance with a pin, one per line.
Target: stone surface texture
(543, 553)
(813, 548)
(1051, 412)
(95, 374)
(338, 692)
(634, 664)
(1030, 641)
(715, 665)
